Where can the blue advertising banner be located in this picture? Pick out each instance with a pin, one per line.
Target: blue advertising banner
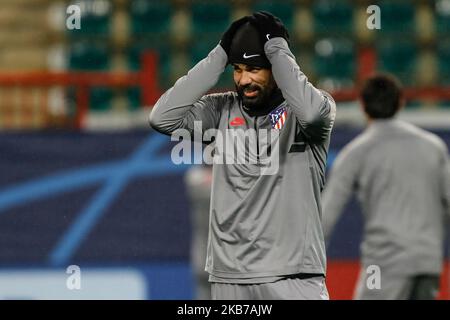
(108, 197)
(112, 199)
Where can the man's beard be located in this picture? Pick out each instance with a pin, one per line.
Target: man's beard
(262, 95)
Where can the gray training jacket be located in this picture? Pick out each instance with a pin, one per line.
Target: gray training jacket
(261, 226)
(401, 176)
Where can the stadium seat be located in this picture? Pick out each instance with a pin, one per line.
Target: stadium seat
(137, 48)
(442, 13)
(200, 49)
(89, 55)
(397, 17)
(100, 98)
(134, 97)
(134, 62)
(209, 17)
(150, 17)
(95, 18)
(333, 17)
(283, 9)
(443, 57)
(335, 59)
(92, 56)
(398, 56)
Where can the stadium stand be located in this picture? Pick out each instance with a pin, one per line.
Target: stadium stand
(333, 17)
(335, 61)
(284, 9)
(150, 17)
(328, 36)
(443, 52)
(334, 46)
(397, 18)
(210, 17)
(92, 55)
(442, 14)
(134, 59)
(398, 56)
(96, 17)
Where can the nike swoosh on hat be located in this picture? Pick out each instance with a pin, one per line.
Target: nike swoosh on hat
(250, 56)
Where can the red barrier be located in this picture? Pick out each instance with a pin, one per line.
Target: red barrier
(83, 81)
(148, 81)
(342, 276)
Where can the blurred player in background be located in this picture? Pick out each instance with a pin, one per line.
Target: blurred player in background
(401, 177)
(265, 239)
(198, 187)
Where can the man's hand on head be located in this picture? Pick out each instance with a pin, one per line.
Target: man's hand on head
(269, 26)
(228, 35)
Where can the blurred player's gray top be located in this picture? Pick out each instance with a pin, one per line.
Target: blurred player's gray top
(198, 185)
(401, 176)
(261, 226)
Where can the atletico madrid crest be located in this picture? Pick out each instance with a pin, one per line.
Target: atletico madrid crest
(278, 117)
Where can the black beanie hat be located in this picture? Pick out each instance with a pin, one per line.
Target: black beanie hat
(246, 48)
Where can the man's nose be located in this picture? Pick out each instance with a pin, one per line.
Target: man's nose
(245, 79)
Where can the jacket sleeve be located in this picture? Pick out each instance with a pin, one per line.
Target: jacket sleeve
(342, 182)
(185, 102)
(314, 109)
